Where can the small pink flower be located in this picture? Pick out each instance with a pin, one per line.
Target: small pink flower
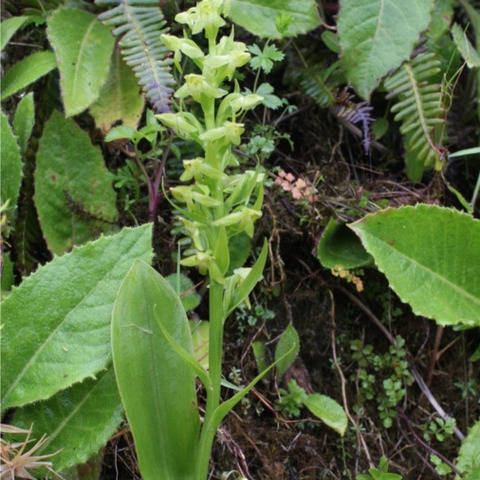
(297, 194)
(300, 184)
(290, 177)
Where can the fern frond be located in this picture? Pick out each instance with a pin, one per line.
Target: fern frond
(356, 113)
(141, 23)
(419, 106)
(318, 82)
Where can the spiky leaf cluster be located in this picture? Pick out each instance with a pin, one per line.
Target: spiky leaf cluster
(419, 106)
(141, 23)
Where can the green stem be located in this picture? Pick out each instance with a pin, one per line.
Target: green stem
(215, 371)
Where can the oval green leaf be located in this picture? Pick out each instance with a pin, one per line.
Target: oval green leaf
(8, 29)
(156, 385)
(120, 97)
(77, 421)
(27, 71)
(258, 16)
(74, 196)
(289, 341)
(377, 36)
(59, 317)
(24, 121)
(431, 257)
(328, 410)
(340, 246)
(83, 47)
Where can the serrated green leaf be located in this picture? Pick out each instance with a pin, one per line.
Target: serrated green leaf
(328, 410)
(8, 29)
(120, 97)
(431, 257)
(288, 341)
(156, 386)
(56, 324)
(24, 121)
(269, 99)
(27, 71)
(338, 245)
(77, 421)
(466, 49)
(469, 455)
(11, 165)
(189, 300)
(264, 59)
(74, 196)
(83, 47)
(377, 36)
(258, 16)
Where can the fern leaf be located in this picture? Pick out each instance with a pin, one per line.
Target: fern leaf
(356, 113)
(419, 106)
(141, 23)
(318, 82)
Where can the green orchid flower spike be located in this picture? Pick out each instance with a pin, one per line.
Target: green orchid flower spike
(214, 206)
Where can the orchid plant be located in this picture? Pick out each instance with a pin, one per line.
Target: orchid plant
(214, 207)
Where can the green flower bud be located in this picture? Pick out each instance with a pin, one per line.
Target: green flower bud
(230, 132)
(195, 85)
(184, 123)
(243, 219)
(205, 16)
(228, 62)
(205, 262)
(198, 168)
(200, 260)
(182, 45)
(186, 194)
(235, 103)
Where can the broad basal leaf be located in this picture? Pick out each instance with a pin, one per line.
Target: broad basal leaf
(77, 421)
(377, 35)
(56, 324)
(83, 47)
(258, 16)
(27, 71)
(120, 98)
(431, 257)
(340, 246)
(73, 189)
(11, 164)
(328, 410)
(156, 385)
